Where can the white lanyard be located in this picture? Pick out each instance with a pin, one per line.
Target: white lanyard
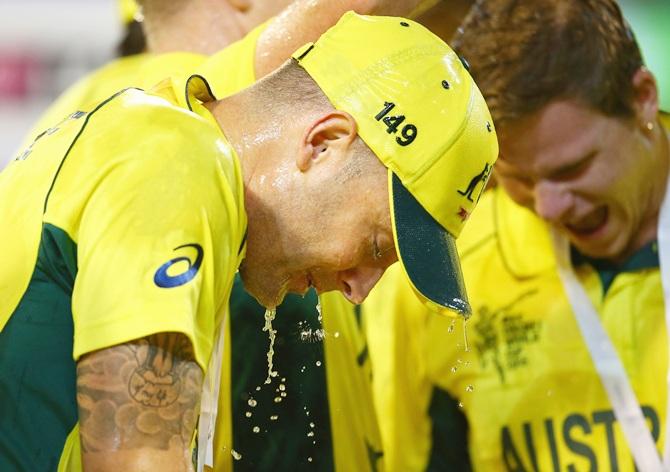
(209, 402)
(607, 363)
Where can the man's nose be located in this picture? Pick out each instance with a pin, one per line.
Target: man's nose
(357, 282)
(553, 201)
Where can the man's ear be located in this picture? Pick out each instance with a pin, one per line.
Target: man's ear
(645, 96)
(240, 5)
(330, 132)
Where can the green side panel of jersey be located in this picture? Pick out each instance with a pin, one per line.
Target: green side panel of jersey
(284, 443)
(38, 407)
(449, 450)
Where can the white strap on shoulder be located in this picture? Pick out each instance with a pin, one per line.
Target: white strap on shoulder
(209, 402)
(664, 260)
(608, 365)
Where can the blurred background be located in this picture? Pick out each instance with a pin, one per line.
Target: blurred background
(46, 45)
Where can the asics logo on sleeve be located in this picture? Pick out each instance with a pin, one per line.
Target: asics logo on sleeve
(165, 280)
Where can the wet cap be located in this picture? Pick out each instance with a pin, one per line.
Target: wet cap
(420, 112)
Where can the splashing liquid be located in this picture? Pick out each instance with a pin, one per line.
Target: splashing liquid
(269, 316)
(465, 335)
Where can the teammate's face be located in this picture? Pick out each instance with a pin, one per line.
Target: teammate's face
(336, 237)
(589, 175)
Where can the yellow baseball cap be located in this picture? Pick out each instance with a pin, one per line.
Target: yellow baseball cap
(420, 112)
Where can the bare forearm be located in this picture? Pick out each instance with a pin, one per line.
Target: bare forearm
(138, 460)
(306, 20)
(138, 404)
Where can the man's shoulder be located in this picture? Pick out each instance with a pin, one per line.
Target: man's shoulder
(502, 229)
(152, 118)
(150, 135)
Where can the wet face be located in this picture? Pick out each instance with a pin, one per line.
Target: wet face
(591, 176)
(336, 235)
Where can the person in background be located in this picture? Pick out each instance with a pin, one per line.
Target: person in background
(564, 262)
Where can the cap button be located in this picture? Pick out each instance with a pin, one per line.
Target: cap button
(445, 84)
(404, 23)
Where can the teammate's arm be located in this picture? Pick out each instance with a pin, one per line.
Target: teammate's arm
(309, 19)
(138, 405)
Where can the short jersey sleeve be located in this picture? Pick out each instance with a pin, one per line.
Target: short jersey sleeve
(158, 223)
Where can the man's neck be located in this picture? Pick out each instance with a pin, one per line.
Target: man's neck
(245, 130)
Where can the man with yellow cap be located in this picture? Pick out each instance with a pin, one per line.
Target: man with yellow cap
(567, 355)
(331, 383)
(119, 254)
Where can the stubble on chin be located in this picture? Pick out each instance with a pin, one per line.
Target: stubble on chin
(263, 286)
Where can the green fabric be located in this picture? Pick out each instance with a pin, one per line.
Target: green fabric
(282, 444)
(645, 258)
(449, 435)
(37, 373)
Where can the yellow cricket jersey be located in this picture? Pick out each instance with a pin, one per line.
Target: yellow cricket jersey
(113, 229)
(357, 442)
(527, 385)
(141, 70)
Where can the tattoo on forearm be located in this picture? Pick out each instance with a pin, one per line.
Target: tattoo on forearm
(144, 393)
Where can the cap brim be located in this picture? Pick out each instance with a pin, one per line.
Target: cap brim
(427, 252)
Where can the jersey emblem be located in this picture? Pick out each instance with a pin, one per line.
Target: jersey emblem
(505, 335)
(165, 280)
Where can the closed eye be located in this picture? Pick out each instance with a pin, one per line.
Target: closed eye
(573, 170)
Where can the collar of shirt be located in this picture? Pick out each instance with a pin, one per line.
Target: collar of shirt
(524, 239)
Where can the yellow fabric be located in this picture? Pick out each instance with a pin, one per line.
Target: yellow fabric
(536, 402)
(412, 79)
(128, 10)
(394, 320)
(71, 462)
(142, 71)
(131, 196)
(356, 439)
